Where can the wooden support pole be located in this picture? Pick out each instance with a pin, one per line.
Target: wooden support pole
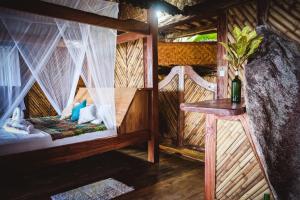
(222, 64)
(262, 11)
(210, 156)
(151, 81)
(66, 13)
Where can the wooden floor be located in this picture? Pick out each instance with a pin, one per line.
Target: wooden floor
(173, 178)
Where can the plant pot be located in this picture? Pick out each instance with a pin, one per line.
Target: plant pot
(236, 87)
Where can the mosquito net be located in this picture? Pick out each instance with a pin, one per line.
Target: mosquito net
(55, 53)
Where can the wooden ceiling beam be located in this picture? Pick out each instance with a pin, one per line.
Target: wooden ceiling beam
(66, 13)
(127, 37)
(203, 30)
(198, 17)
(211, 6)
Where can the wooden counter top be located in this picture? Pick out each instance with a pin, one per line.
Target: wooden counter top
(222, 107)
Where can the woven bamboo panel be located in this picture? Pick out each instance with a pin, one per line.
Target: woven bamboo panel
(37, 105)
(129, 65)
(168, 112)
(187, 54)
(194, 129)
(238, 175)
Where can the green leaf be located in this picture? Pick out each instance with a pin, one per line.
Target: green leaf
(254, 45)
(246, 30)
(236, 32)
(246, 43)
(241, 45)
(251, 35)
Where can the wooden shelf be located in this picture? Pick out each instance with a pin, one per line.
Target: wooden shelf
(222, 107)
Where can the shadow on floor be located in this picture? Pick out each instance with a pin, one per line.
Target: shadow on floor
(173, 178)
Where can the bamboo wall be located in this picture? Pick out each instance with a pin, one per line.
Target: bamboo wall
(283, 17)
(238, 175)
(169, 110)
(37, 104)
(129, 65)
(238, 172)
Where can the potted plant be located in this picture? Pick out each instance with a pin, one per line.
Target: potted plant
(246, 43)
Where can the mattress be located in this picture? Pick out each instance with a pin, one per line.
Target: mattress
(59, 129)
(11, 143)
(15, 143)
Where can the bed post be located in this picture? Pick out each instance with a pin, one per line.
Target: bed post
(151, 81)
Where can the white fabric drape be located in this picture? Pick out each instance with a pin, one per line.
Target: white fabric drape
(15, 77)
(52, 52)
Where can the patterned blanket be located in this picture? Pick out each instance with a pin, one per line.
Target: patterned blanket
(63, 128)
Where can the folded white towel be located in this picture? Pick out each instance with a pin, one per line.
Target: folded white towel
(21, 125)
(18, 114)
(17, 124)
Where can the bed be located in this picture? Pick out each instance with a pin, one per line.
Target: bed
(54, 140)
(136, 110)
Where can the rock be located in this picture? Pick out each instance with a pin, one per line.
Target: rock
(273, 106)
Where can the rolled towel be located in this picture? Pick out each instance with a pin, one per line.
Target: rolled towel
(18, 114)
(17, 124)
(20, 125)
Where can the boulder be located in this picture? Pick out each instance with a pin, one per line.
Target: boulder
(273, 106)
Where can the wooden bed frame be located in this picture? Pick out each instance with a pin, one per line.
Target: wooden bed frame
(137, 123)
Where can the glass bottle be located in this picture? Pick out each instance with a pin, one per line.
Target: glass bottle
(236, 86)
(266, 196)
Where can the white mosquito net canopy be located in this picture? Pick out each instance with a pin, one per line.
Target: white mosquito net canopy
(55, 53)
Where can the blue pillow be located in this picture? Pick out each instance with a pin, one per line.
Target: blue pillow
(76, 111)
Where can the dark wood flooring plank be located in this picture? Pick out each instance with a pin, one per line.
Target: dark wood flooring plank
(173, 178)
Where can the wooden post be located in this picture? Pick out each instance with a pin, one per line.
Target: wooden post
(210, 156)
(262, 11)
(222, 64)
(151, 81)
(180, 125)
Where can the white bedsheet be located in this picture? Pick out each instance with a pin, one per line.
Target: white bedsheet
(11, 143)
(15, 143)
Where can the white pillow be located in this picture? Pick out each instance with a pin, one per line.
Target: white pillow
(96, 121)
(87, 114)
(67, 112)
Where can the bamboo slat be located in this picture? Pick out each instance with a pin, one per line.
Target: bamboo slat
(237, 170)
(235, 178)
(240, 16)
(195, 122)
(129, 65)
(168, 115)
(284, 17)
(37, 105)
